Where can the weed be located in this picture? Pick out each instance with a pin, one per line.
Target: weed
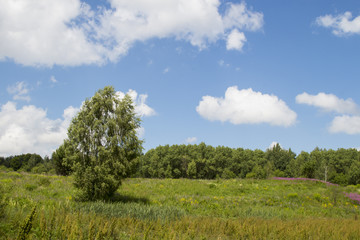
(27, 225)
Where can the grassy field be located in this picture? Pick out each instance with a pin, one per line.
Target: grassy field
(178, 209)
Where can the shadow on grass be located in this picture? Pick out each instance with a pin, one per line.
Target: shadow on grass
(117, 197)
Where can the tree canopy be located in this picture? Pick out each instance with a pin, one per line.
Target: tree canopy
(102, 142)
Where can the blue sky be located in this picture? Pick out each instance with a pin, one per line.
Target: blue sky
(232, 73)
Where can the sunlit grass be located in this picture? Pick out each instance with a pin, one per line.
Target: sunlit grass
(180, 209)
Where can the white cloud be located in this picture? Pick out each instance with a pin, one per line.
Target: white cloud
(345, 124)
(53, 79)
(19, 91)
(166, 70)
(246, 107)
(141, 108)
(222, 63)
(46, 33)
(140, 132)
(235, 40)
(29, 130)
(329, 103)
(238, 16)
(69, 32)
(273, 144)
(191, 140)
(342, 24)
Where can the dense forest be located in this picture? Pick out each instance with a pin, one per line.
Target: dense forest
(202, 161)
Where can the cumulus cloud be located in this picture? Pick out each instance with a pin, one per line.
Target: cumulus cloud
(19, 91)
(345, 124)
(69, 32)
(349, 120)
(341, 24)
(46, 33)
(246, 107)
(191, 140)
(329, 103)
(141, 108)
(29, 130)
(235, 40)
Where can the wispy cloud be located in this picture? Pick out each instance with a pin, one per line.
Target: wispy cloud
(222, 63)
(191, 140)
(19, 91)
(53, 79)
(166, 70)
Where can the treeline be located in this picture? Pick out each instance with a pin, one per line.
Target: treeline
(202, 161)
(28, 163)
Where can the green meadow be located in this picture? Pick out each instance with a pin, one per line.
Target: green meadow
(45, 207)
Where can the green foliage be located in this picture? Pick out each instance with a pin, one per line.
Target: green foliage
(279, 173)
(2, 202)
(180, 209)
(26, 162)
(308, 169)
(257, 173)
(206, 162)
(102, 143)
(191, 170)
(61, 163)
(354, 173)
(181, 161)
(27, 225)
(280, 157)
(227, 174)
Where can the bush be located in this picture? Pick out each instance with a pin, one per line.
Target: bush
(279, 173)
(227, 174)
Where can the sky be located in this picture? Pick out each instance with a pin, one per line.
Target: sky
(232, 73)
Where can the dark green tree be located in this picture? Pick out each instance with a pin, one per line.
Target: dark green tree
(62, 164)
(103, 142)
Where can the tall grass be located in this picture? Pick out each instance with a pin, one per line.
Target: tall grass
(179, 209)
